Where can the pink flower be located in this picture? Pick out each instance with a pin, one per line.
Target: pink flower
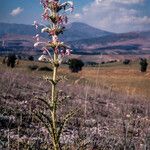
(58, 20)
(68, 3)
(55, 38)
(68, 52)
(46, 29)
(37, 37)
(62, 20)
(44, 58)
(36, 24)
(60, 59)
(45, 3)
(56, 50)
(39, 43)
(46, 14)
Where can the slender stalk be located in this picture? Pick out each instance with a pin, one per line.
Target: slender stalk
(18, 137)
(57, 20)
(8, 137)
(54, 104)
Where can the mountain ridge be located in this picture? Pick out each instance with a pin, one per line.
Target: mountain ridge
(82, 38)
(132, 42)
(74, 31)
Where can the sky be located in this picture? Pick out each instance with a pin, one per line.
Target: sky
(111, 15)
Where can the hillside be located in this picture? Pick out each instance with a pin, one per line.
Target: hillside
(74, 31)
(83, 39)
(81, 31)
(126, 43)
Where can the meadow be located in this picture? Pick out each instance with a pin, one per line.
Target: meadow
(127, 79)
(113, 100)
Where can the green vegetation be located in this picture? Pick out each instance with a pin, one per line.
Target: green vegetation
(11, 59)
(31, 58)
(75, 65)
(144, 64)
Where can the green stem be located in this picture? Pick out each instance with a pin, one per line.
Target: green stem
(54, 104)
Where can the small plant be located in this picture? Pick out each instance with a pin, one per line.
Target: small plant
(144, 64)
(75, 65)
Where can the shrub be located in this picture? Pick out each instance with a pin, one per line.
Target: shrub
(4, 60)
(11, 60)
(144, 64)
(90, 63)
(126, 61)
(33, 67)
(45, 69)
(31, 58)
(75, 65)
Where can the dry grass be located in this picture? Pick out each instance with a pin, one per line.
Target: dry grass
(123, 78)
(107, 120)
(127, 79)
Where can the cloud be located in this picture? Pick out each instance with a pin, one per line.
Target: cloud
(77, 16)
(16, 11)
(114, 15)
(120, 1)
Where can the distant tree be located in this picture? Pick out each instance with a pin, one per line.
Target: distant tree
(144, 64)
(31, 58)
(4, 60)
(75, 65)
(126, 61)
(91, 63)
(102, 62)
(111, 61)
(11, 60)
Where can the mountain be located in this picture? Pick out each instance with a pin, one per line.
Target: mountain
(125, 43)
(82, 38)
(79, 31)
(74, 31)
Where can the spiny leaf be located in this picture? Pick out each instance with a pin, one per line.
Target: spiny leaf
(46, 117)
(68, 116)
(43, 121)
(45, 102)
(49, 79)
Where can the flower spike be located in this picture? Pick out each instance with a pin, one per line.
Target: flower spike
(58, 21)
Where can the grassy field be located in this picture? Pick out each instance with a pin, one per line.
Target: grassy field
(123, 78)
(127, 79)
(107, 119)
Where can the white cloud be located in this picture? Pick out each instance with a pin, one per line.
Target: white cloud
(77, 16)
(129, 1)
(114, 15)
(16, 11)
(120, 1)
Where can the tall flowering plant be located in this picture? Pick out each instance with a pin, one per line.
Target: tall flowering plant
(55, 12)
